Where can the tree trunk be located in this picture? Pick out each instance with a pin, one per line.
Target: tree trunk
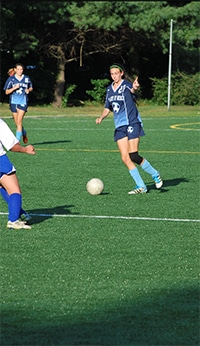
(60, 84)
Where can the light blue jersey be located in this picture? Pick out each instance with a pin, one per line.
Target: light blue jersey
(122, 103)
(19, 96)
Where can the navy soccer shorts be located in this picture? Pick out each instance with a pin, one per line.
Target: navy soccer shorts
(134, 131)
(14, 107)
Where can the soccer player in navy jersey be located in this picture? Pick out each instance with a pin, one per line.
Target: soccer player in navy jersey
(18, 86)
(121, 100)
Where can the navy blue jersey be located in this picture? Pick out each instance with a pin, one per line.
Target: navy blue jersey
(18, 96)
(122, 103)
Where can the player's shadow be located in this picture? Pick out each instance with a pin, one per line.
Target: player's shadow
(52, 142)
(42, 214)
(168, 183)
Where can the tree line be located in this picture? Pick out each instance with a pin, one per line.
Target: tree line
(71, 43)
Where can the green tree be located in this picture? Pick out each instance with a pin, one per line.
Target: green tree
(40, 29)
(46, 28)
(140, 30)
(136, 32)
(139, 25)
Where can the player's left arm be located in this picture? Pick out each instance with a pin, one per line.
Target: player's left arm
(135, 85)
(30, 88)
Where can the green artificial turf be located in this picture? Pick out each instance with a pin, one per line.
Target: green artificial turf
(113, 269)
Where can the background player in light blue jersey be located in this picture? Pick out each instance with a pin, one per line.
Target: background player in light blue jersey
(121, 100)
(18, 87)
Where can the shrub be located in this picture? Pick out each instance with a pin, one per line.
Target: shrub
(160, 90)
(98, 92)
(69, 90)
(184, 89)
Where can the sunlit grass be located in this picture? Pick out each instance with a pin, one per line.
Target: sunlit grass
(95, 110)
(112, 269)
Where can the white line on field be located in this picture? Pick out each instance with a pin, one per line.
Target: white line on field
(112, 217)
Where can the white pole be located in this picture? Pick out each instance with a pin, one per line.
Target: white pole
(170, 64)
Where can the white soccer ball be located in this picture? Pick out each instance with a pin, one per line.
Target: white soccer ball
(95, 186)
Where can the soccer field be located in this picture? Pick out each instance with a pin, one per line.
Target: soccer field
(113, 269)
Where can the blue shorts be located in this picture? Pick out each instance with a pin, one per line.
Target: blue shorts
(14, 107)
(129, 131)
(6, 167)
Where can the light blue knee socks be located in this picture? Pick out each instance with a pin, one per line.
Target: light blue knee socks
(146, 166)
(136, 176)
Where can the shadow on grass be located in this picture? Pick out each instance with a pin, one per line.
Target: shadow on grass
(104, 193)
(42, 214)
(51, 142)
(168, 183)
(166, 317)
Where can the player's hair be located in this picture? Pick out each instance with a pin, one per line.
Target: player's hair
(11, 71)
(118, 65)
(19, 64)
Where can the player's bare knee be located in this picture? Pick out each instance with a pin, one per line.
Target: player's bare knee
(125, 159)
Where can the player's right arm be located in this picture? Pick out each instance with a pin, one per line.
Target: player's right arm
(104, 114)
(10, 91)
(29, 149)
(10, 142)
(10, 87)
